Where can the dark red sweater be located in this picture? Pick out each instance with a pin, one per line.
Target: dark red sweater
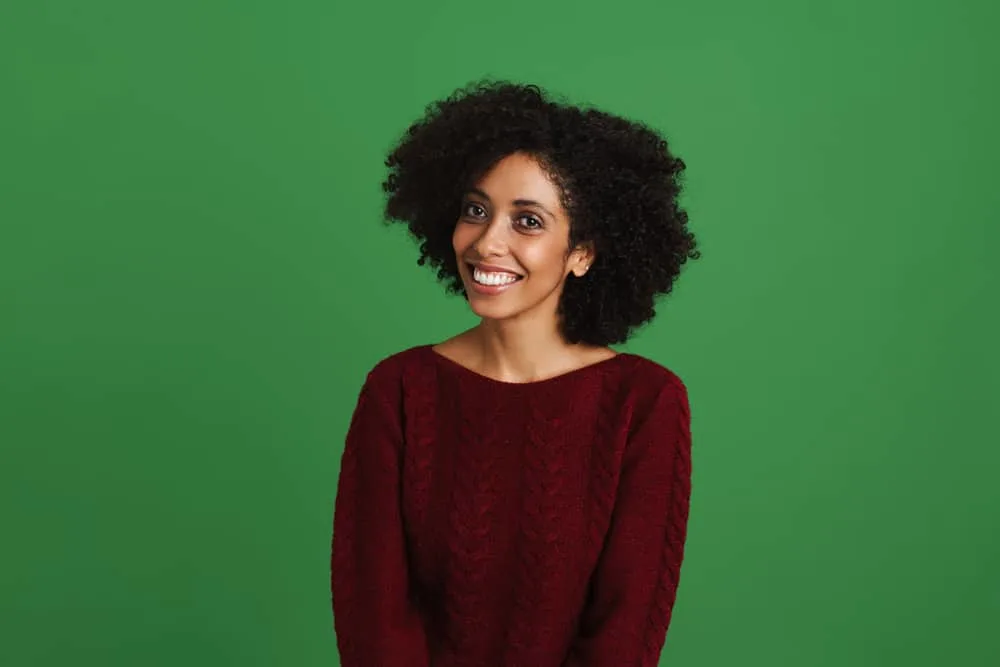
(483, 523)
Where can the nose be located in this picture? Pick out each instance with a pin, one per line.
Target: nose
(492, 240)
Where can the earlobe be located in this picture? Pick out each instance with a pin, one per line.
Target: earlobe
(584, 260)
(580, 270)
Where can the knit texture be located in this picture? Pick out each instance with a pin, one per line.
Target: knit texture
(481, 523)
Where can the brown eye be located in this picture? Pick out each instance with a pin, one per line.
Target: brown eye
(530, 222)
(473, 210)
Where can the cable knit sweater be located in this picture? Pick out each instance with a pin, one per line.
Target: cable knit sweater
(482, 523)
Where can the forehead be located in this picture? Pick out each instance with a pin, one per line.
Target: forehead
(519, 176)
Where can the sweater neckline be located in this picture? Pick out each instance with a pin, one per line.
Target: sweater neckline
(567, 375)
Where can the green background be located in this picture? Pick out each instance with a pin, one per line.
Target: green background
(194, 281)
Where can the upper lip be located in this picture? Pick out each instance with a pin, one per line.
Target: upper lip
(490, 268)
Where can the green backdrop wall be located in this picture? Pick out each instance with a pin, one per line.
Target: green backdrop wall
(194, 281)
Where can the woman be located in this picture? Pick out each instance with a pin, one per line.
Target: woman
(518, 495)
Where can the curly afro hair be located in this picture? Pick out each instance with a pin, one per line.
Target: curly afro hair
(618, 181)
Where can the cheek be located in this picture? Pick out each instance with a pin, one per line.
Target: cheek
(547, 259)
(460, 239)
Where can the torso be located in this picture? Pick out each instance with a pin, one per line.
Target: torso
(494, 473)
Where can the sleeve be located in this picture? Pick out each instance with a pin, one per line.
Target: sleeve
(634, 585)
(375, 620)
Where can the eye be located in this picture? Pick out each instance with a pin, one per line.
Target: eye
(530, 222)
(473, 210)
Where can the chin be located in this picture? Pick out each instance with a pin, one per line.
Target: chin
(491, 310)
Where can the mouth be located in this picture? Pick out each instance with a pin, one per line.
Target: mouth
(492, 278)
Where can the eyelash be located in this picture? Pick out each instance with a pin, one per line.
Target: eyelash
(467, 207)
(538, 224)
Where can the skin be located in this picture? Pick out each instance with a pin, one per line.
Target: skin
(513, 219)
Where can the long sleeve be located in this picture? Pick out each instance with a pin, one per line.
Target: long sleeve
(376, 622)
(634, 586)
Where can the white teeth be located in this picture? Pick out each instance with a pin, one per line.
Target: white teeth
(484, 278)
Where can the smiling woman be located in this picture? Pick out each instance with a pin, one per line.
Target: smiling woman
(518, 494)
(512, 237)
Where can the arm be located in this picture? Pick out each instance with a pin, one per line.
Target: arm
(635, 582)
(376, 623)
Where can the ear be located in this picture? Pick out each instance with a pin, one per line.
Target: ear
(581, 259)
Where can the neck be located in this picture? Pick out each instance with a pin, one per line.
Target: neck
(521, 351)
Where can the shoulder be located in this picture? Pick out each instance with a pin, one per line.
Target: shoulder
(656, 394)
(651, 379)
(659, 409)
(389, 373)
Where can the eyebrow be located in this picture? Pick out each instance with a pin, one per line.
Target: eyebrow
(516, 202)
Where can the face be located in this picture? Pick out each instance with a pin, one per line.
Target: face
(512, 243)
